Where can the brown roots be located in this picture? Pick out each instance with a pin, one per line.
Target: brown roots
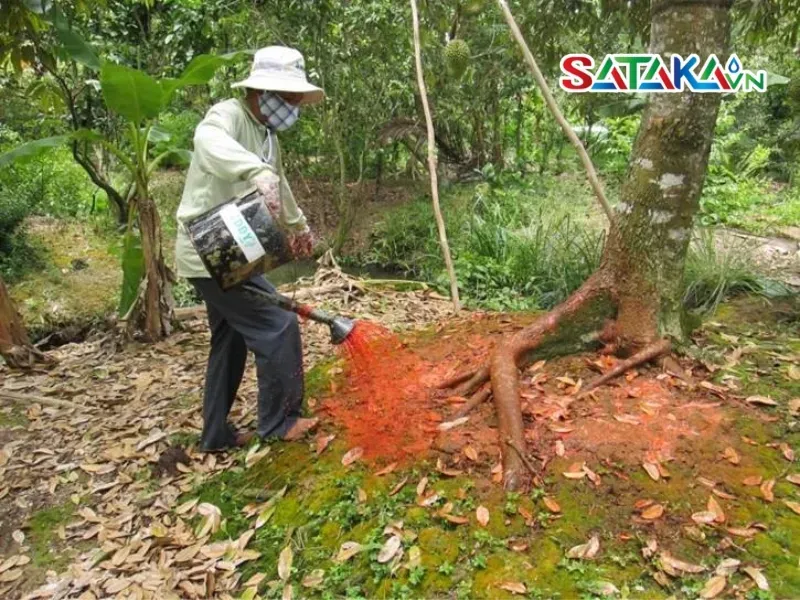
(503, 372)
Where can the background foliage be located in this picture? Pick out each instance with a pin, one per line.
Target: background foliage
(521, 237)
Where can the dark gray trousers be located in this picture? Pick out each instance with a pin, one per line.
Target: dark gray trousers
(240, 322)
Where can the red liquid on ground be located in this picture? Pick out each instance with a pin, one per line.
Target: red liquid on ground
(385, 398)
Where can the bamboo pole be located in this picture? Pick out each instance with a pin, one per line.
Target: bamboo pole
(591, 173)
(448, 261)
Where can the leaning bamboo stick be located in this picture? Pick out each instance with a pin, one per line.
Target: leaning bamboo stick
(448, 261)
(591, 173)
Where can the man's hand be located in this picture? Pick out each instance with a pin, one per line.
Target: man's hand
(301, 243)
(268, 185)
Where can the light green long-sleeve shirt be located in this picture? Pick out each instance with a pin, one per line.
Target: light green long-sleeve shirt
(228, 155)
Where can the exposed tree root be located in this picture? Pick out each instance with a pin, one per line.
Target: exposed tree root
(480, 377)
(505, 376)
(648, 353)
(521, 453)
(476, 400)
(455, 380)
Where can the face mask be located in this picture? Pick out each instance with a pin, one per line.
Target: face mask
(280, 115)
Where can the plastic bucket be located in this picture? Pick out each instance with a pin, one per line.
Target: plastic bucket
(238, 239)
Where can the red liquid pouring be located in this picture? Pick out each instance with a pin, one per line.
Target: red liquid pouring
(384, 404)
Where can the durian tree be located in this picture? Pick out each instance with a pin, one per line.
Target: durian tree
(632, 302)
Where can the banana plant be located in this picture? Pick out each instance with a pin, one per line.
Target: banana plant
(139, 99)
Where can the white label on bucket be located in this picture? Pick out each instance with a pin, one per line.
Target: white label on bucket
(242, 232)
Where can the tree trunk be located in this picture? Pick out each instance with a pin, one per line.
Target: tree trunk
(642, 268)
(155, 304)
(660, 195)
(15, 346)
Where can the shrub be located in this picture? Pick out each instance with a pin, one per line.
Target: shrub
(512, 248)
(718, 269)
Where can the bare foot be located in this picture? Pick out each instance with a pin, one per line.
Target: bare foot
(299, 429)
(243, 439)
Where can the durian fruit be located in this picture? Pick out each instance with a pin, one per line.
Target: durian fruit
(456, 55)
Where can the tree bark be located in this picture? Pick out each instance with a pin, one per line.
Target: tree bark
(667, 169)
(15, 346)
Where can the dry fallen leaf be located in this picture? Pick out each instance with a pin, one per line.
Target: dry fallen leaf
(714, 587)
(352, 456)
(347, 551)
(285, 563)
(787, 452)
(745, 532)
(386, 470)
(314, 579)
(559, 448)
(704, 517)
(653, 512)
(515, 587)
(389, 549)
(18, 536)
(721, 494)
(652, 471)
(715, 508)
(757, 576)
(9, 576)
(448, 425)
(575, 471)
(471, 453)
(731, 456)
(400, 485)
(593, 477)
(585, 551)
(676, 565)
(605, 588)
(793, 478)
(187, 506)
(761, 400)
(323, 441)
(423, 483)
(551, 504)
(753, 480)
(455, 519)
(766, 490)
(482, 514)
(795, 506)
(794, 406)
(727, 566)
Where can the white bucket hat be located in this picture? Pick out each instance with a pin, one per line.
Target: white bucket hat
(281, 69)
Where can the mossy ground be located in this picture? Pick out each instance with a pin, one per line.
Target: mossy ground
(326, 504)
(47, 550)
(81, 280)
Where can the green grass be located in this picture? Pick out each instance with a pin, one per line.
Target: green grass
(47, 552)
(751, 205)
(12, 416)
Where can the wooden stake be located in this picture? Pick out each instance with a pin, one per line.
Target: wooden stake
(448, 261)
(591, 173)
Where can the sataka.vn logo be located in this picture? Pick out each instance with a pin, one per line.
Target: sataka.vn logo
(651, 73)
